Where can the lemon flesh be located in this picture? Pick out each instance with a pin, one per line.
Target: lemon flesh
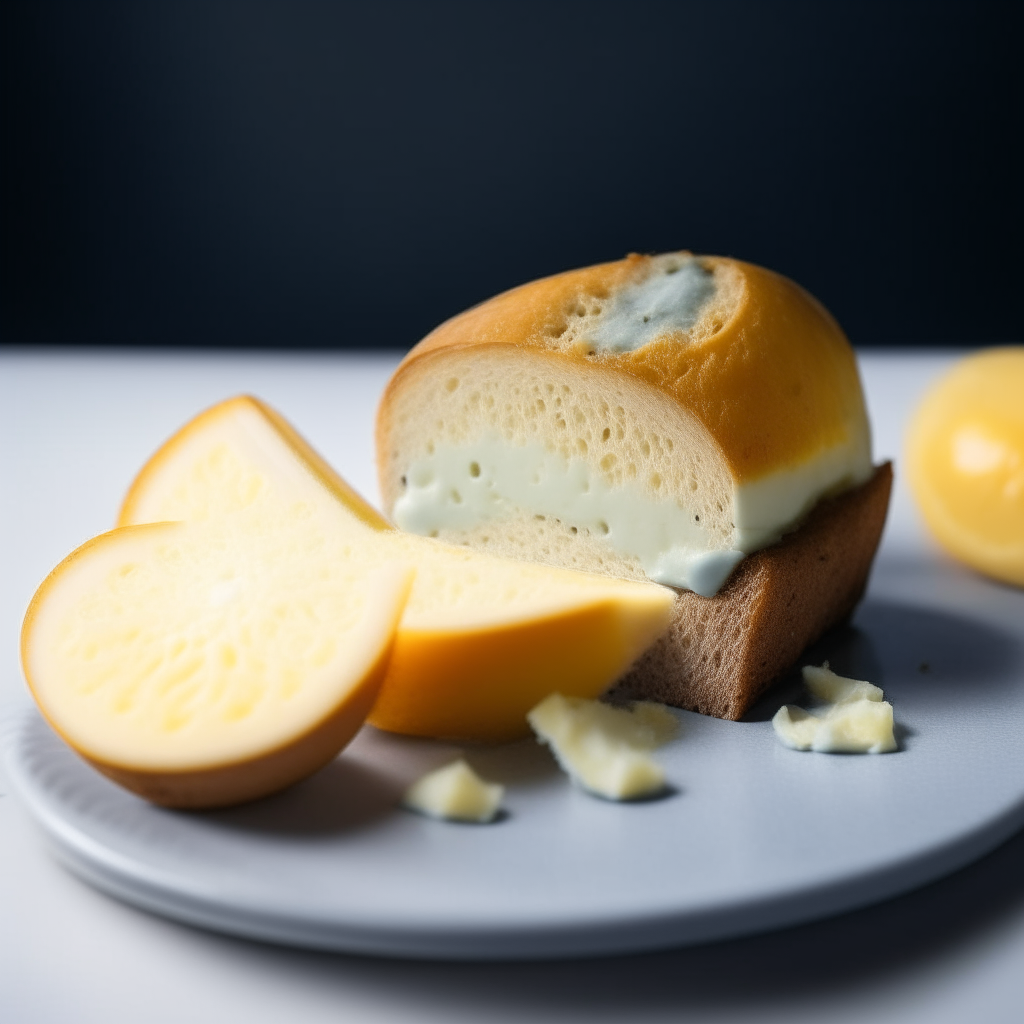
(195, 650)
(965, 457)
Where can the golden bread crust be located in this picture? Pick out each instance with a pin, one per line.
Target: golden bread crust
(767, 371)
(721, 653)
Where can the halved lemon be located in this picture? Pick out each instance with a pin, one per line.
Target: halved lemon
(205, 664)
(965, 460)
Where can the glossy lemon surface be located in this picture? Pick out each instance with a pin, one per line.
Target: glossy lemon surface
(965, 458)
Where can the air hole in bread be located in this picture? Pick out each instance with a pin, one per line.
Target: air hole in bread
(606, 434)
(474, 470)
(451, 384)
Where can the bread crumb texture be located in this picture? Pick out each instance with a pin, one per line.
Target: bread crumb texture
(721, 653)
(624, 435)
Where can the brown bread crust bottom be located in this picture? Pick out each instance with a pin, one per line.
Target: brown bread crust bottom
(721, 653)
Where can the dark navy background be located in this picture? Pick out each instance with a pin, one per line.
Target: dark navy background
(350, 174)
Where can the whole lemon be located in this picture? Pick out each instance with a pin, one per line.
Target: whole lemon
(965, 460)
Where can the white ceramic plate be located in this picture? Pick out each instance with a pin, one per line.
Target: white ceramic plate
(755, 836)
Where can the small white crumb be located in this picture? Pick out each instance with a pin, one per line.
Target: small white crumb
(856, 721)
(824, 683)
(604, 748)
(455, 793)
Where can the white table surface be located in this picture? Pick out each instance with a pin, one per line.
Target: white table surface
(75, 427)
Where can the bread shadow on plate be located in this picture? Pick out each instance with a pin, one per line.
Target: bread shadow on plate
(901, 646)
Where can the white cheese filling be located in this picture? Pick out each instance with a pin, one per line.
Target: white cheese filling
(462, 486)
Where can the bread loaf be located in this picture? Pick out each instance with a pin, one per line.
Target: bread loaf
(676, 418)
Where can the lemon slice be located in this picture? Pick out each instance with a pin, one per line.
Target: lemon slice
(239, 454)
(206, 664)
(965, 458)
(482, 639)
